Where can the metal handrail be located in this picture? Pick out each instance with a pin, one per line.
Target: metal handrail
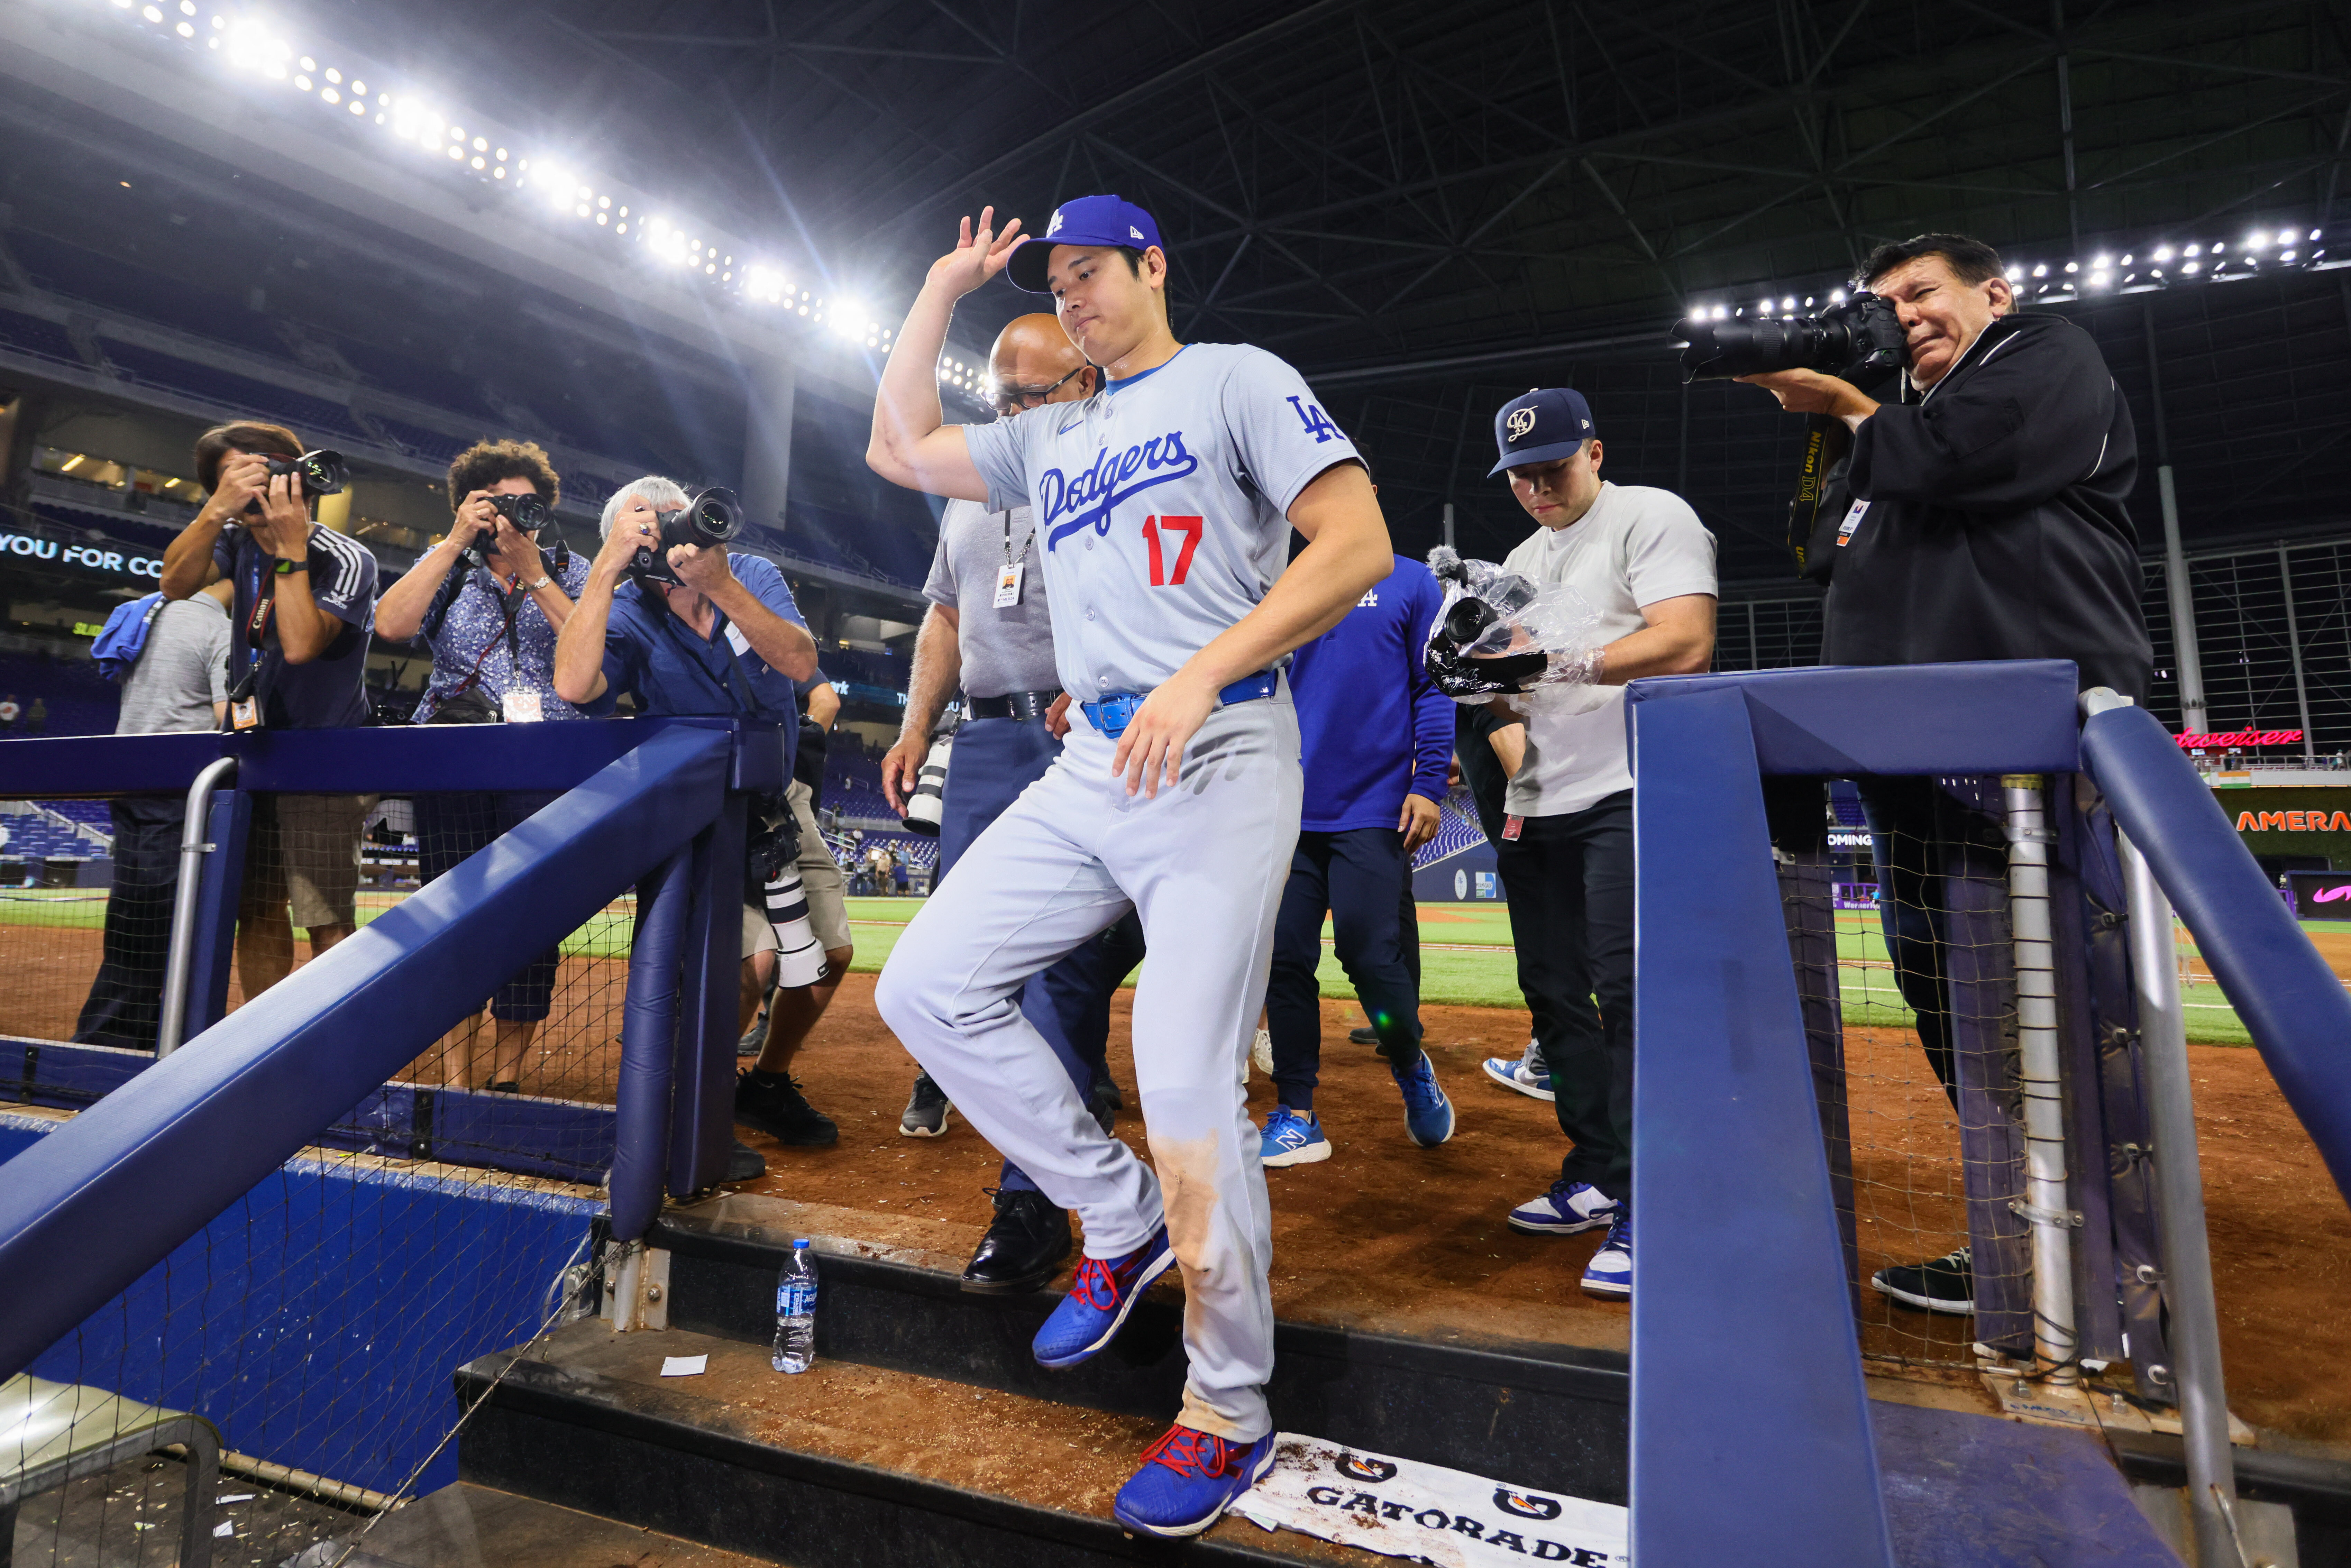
(193, 847)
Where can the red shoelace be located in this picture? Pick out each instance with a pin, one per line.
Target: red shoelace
(1097, 1282)
(1191, 1453)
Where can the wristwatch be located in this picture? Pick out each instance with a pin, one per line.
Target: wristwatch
(288, 567)
(543, 581)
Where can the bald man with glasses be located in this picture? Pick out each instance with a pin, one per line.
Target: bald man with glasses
(987, 632)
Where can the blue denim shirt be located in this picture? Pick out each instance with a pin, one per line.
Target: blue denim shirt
(656, 658)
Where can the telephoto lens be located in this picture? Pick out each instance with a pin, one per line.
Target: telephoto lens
(323, 472)
(527, 512)
(1859, 339)
(925, 807)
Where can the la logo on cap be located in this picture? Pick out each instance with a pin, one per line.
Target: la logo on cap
(1522, 420)
(1055, 226)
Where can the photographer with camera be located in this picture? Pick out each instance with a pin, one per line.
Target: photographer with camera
(1988, 520)
(1635, 567)
(488, 602)
(299, 621)
(683, 626)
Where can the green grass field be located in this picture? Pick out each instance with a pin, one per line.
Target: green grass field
(1465, 957)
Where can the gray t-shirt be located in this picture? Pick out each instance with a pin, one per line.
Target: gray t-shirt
(181, 673)
(1009, 650)
(1635, 547)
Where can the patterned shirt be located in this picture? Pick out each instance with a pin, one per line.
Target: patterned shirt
(474, 630)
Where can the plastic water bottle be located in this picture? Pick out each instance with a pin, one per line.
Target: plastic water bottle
(796, 1310)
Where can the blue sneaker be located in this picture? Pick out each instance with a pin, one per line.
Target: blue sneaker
(1101, 1295)
(1292, 1139)
(1427, 1114)
(1187, 1479)
(1527, 1073)
(1567, 1207)
(1610, 1272)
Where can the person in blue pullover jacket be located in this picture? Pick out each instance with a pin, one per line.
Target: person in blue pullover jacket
(1375, 737)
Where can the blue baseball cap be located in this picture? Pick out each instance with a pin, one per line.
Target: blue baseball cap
(1089, 220)
(1540, 425)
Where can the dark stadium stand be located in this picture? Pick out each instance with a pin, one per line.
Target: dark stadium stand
(79, 700)
(31, 335)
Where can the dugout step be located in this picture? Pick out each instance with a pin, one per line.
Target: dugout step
(1552, 1416)
(840, 1467)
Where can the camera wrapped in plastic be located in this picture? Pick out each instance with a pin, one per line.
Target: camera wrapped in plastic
(1501, 634)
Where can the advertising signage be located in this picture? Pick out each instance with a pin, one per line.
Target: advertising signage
(2191, 741)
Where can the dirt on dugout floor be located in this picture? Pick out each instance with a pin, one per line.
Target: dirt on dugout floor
(1385, 1236)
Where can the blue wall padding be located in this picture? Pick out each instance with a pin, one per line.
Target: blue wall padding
(648, 1040)
(2290, 999)
(1743, 1347)
(317, 1320)
(94, 1205)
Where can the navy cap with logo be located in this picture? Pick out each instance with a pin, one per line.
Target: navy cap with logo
(1088, 220)
(1540, 426)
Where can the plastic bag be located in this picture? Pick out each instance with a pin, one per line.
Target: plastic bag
(1501, 634)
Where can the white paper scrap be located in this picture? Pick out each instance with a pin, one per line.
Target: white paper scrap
(1401, 1509)
(234, 1497)
(225, 1528)
(685, 1366)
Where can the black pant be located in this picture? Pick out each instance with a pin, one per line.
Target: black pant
(1569, 882)
(126, 1000)
(1913, 823)
(1354, 877)
(457, 823)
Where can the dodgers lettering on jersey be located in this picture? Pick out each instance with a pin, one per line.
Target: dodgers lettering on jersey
(1162, 502)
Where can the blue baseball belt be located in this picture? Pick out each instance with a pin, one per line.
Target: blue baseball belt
(1115, 712)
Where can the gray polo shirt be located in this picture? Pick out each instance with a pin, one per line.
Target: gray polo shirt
(181, 673)
(1009, 650)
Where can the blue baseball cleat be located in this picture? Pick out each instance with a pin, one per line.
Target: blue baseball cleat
(1427, 1114)
(1187, 1479)
(1610, 1272)
(1292, 1139)
(1101, 1295)
(1564, 1208)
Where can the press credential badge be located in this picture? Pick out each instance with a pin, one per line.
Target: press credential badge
(1008, 583)
(1852, 521)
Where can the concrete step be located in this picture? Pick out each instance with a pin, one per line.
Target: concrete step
(842, 1465)
(1551, 1416)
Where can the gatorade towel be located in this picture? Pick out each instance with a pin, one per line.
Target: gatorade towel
(1401, 1509)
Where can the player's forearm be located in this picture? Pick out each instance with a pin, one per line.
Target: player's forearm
(580, 646)
(938, 667)
(1346, 559)
(907, 404)
(1509, 744)
(304, 629)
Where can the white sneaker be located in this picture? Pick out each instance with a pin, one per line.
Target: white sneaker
(1527, 1074)
(1262, 1053)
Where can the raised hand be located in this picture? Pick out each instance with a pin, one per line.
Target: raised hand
(978, 256)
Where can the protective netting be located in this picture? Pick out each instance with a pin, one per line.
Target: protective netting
(314, 1326)
(1913, 1033)
(316, 1322)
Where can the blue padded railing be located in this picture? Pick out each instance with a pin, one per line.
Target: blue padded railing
(103, 1197)
(1728, 1160)
(2290, 1001)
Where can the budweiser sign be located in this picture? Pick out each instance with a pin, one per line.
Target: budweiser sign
(2240, 737)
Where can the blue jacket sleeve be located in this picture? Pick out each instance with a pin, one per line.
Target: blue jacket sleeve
(1432, 710)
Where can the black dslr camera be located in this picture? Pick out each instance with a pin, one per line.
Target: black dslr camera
(1859, 339)
(322, 472)
(711, 517)
(527, 512)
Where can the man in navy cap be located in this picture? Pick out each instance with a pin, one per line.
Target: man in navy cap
(1643, 562)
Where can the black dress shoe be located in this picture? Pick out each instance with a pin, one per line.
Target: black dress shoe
(1023, 1248)
(745, 1162)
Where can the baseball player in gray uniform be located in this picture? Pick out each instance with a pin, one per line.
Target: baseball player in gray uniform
(1162, 504)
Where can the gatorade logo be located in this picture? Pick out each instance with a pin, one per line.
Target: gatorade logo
(1368, 1469)
(2330, 895)
(1524, 1505)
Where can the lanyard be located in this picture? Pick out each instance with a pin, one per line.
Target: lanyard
(695, 648)
(264, 607)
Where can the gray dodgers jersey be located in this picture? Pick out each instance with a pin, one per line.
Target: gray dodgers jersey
(1161, 505)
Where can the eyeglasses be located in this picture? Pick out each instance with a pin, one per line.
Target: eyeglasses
(1011, 399)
